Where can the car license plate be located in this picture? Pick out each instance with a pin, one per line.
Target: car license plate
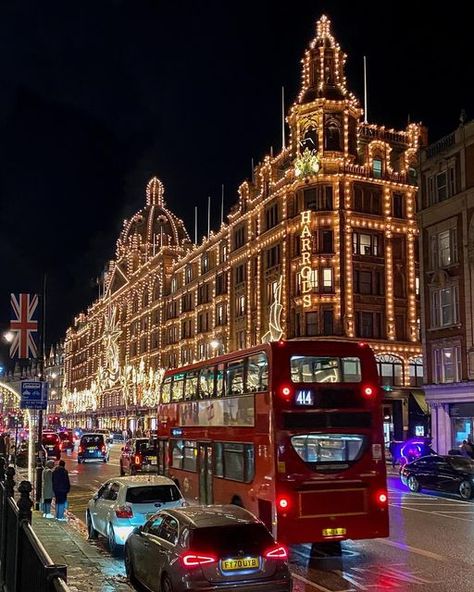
(235, 564)
(151, 459)
(327, 532)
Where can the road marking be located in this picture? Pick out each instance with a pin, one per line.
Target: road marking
(317, 586)
(431, 513)
(411, 549)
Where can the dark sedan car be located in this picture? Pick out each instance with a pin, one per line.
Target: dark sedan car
(211, 548)
(451, 474)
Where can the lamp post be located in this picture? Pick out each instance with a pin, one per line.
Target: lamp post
(217, 346)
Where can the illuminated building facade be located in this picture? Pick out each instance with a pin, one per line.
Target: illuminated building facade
(322, 242)
(446, 219)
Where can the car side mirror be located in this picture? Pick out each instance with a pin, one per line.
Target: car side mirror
(137, 530)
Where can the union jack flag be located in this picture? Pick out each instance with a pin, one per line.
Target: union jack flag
(24, 326)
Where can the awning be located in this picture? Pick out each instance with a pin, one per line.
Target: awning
(419, 397)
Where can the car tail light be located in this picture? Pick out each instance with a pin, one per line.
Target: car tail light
(190, 559)
(104, 448)
(80, 449)
(368, 391)
(138, 459)
(285, 392)
(381, 498)
(124, 512)
(276, 552)
(283, 503)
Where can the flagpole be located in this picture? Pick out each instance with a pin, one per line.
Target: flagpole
(208, 215)
(365, 90)
(222, 204)
(42, 342)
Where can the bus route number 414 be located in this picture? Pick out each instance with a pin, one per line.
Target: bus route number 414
(304, 397)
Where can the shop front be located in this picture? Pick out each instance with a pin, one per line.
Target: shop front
(452, 414)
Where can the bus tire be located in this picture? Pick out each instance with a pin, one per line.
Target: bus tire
(237, 501)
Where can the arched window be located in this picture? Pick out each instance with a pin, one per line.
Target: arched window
(416, 371)
(390, 369)
(377, 167)
(332, 135)
(310, 140)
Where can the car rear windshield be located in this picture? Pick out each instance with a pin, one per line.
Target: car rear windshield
(149, 494)
(50, 437)
(229, 540)
(96, 440)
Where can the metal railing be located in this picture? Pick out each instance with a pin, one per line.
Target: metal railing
(25, 565)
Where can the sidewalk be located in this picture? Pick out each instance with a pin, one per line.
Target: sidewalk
(89, 567)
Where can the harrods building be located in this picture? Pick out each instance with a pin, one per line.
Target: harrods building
(327, 228)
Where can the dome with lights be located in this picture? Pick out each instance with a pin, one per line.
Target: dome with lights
(154, 226)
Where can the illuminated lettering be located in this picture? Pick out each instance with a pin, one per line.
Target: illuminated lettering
(306, 271)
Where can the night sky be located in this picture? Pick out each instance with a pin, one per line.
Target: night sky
(97, 97)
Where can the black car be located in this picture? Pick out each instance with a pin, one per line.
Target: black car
(207, 548)
(451, 474)
(92, 446)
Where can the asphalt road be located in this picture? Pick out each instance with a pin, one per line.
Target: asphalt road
(431, 547)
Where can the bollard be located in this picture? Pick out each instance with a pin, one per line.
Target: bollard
(24, 503)
(10, 482)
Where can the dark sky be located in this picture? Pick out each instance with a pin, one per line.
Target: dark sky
(96, 97)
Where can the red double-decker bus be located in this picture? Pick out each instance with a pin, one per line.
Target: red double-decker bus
(290, 430)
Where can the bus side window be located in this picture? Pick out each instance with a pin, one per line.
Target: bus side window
(166, 390)
(234, 379)
(218, 459)
(206, 383)
(191, 385)
(178, 387)
(219, 380)
(257, 373)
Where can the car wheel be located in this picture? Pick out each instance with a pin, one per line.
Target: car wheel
(129, 566)
(166, 585)
(113, 547)
(465, 490)
(91, 531)
(122, 472)
(413, 484)
(79, 461)
(105, 459)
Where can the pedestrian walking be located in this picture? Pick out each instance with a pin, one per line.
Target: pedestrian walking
(61, 487)
(47, 489)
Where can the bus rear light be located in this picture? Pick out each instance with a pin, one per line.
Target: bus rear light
(276, 552)
(369, 391)
(285, 392)
(382, 498)
(283, 503)
(190, 559)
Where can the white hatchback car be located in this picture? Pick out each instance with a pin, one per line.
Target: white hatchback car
(123, 503)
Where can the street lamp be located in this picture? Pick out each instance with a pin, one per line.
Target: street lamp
(217, 346)
(9, 336)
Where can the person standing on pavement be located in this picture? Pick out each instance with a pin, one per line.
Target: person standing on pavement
(61, 487)
(47, 489)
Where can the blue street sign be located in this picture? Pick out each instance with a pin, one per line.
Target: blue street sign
(34, 394)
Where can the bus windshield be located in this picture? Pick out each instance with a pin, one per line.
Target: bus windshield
(325, 369)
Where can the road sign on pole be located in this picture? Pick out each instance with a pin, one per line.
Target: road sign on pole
(34, 394)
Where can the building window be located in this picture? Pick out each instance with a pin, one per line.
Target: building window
(311, 320)
(447, 364)
(442, 185)
(444, 250)
(271, 216)
(240, 274)
(444, 308)
(366, 244)
(188, 274)
(241, 339)
(318, 198)
(326, 241)
(187, 302)
(271, 291)
(221, 316)
(203, 294)
(240, 305)
(239, 236)
(367, 199)
(202, 322)
(174, 284)
(377, 168)
(312, 280)
(369, 324)
(205, 263)
(416, 371)
(328, 322)
(221, 283)
(368, 282)
(397, 205)
(390, 370)
(332, 132)
(272, 256)
(327, 279)
(222, 252)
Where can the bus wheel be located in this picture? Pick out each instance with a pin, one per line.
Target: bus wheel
(237, 501)
(332, 549)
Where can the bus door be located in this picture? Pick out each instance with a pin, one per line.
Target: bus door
(162, 457)
(205, 472)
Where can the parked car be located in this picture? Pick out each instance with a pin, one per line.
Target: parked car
(138, 456)
(66, 440)
(52, 443)
(206, 548)
(122, 504)
(107, 434)
(92, 447)
(118, 437)
(451, 474)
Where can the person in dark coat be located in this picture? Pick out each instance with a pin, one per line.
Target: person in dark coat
(61, 487)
